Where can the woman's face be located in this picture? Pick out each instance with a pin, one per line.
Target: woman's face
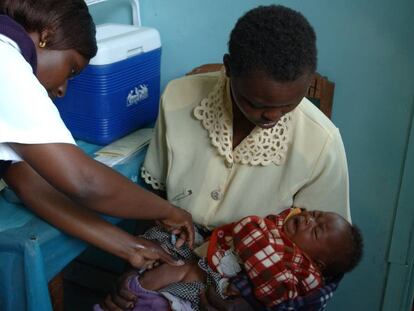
(55, 67)
(263, 101)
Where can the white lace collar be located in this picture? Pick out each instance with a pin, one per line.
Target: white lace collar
(260, 147)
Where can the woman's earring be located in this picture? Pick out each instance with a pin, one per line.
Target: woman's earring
(42, 44)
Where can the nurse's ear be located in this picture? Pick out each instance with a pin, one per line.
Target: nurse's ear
(40, 40)
(44, 37)
(226, 62)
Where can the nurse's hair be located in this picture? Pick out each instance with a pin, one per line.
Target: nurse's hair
(273, 39)
(67, 22)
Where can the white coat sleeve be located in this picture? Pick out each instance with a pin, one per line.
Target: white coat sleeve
(27, 114)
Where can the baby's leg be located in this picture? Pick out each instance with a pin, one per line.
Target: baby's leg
(165, 274)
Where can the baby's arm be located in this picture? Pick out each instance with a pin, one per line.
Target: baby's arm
(165, 274)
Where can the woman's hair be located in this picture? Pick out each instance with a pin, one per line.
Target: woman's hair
(273, 39)
(67, 22)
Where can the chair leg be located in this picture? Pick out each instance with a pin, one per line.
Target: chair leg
(56, 292)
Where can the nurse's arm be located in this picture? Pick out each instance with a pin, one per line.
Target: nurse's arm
(75, 220)
(91, 184)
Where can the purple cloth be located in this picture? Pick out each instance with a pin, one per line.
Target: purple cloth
(147, 300)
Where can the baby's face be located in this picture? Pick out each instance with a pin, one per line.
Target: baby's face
(321, 235)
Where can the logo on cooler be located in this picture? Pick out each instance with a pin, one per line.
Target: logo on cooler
(137, 94)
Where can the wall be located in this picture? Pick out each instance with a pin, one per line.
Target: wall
(365, 47)
(399, 292)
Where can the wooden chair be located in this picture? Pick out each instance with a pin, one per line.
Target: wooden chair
(320, 91)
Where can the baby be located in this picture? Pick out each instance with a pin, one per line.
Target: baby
(284, 256)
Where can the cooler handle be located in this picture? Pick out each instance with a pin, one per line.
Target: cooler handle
(136, 16)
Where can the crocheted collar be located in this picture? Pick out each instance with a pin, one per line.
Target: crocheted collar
(260, 147)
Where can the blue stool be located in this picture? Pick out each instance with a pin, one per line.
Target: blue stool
(32, 252)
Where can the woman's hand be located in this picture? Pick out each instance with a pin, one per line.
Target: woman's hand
(148, 254)
(179, 222)
(120, 298)
(211, 301)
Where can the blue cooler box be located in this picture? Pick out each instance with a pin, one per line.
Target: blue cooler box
(118, 92)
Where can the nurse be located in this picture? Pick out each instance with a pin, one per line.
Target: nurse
(44, 43)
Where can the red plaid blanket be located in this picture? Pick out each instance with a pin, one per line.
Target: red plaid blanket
(277, 268)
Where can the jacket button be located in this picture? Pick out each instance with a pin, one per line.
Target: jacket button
(216, 195)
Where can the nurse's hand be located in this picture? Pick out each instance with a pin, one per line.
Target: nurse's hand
(180, 223)
(148, 254)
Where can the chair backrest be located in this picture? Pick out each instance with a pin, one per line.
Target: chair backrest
(320, 92)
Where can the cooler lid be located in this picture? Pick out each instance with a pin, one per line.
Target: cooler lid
(117, 42)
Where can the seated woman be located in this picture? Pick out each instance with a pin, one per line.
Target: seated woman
(245, 141)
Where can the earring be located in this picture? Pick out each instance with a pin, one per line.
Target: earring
(42, 44)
